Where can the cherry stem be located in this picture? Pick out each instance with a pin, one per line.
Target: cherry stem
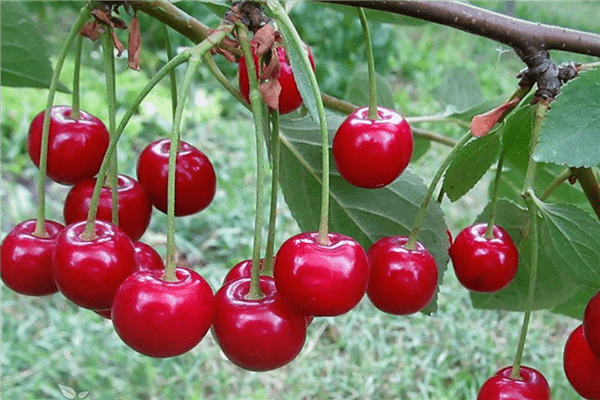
(257, 112)
(563, 176)
(489, 232)
(172, 74)
(76, 80)
(268, 264)
(40, 225)
(589, 184)
(290, 32)
(372, 114)
(538, 119)
(411, 244)
(222, 79)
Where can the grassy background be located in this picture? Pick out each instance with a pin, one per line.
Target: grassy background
(363, 354)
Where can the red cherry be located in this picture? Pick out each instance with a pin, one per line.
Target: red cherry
(243, 269)
(104, 313)
(89, 272)
(135, 206)
(372, 153)
(75, 147)
(146, 257)
(321, 280)
(163, 319)
(26, 259)
(195, 182)
(591, 323)
(582, 366)
(289, 98)
(531, 386)
(402, 281)
(257, 335)
(484, 265)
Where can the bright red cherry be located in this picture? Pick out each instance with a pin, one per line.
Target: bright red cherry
(257, 335)
(75, 147)
(582, 366)
(135, 206)
(26, 259)
(89, 272)
(195, 179)
(531, 386)
(481, 264)
(163, 319)
(289, 98)
(402, 281)
(591, 324)
(372, 153)
(243, 269)
(146, 257)
(318, 279)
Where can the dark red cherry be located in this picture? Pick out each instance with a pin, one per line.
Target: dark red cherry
(146, 257)
(532, 386)
(582, 366)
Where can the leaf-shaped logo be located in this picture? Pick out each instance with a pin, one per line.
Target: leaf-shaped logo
(83, 395)
(67, 391)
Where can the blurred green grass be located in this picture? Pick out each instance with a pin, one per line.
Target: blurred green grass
(364, 354)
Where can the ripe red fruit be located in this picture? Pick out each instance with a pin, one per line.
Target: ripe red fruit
(484, 265)
(321, 280)
(257, 335)
(582, 366)
(372, 153)
(89, 272)
(163, 319)
(591, 324)
(146, 257)
(135, 206)
(532, 386)
(75, 147)
(26, 259)
(289, 97)
(243, 269)
(402, 281)
(195, 179)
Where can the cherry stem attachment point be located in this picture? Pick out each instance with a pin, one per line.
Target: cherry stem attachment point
(489, 232)
(372, 114)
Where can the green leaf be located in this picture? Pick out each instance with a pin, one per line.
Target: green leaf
(553, 286)
(575, 306)
(420, 147)
(375, 15)
(459, 89)
(572, 126)
(24, 61)
(516, 136)
(571, 237)
(470, 164)
(364, 214)
(358, 90)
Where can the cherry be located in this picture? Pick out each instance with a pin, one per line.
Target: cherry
(26, 259)
(289, 97)
(372, 153)
(75, 147)
(321, 280)
(481, 264)
(591, 324)
(243, 269)
(163, 319)
(146, 257)
(89, 272)
(402, 281)
(531, 386)
(582, 366)
(257, 335)
(135, 206)
(195, 182)
(104, 313)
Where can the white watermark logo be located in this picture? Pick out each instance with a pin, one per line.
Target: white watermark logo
(71, 393)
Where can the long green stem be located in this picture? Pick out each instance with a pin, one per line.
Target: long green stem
(257, 113)
(40, 226)
(563, 176)
(591, 188)
(268, 266)
(489, 232)
(76, 80)
(411, 244)
(172, 74)
(370, 65)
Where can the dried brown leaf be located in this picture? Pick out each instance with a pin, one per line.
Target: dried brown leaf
(134, 44)
(270, 91)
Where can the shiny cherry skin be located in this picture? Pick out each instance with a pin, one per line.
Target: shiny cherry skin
(75, 147)
(289, 98)
(532, 386)
(146, 257)
(484, 265)
(582, 366)
(195, 178)
(321, 280)
(89, 272)
(372, 153)
(160, 318)
(591, 323)
(135, 206)
(243, 269)
(402, 281)
(26, 259)
(257, 335)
